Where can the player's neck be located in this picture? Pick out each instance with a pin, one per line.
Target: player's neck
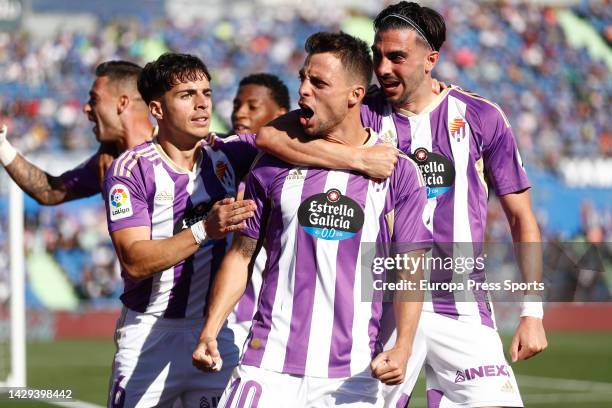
(349, 132)
(136, 132)
(183, 153)
(421, 98)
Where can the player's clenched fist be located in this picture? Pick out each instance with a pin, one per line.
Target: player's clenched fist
(206, 356)
(228, 215)
(377, 161)
(390, 366)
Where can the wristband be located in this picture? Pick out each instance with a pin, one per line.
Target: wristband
(199, 233)
(531, 306)
(7, 153)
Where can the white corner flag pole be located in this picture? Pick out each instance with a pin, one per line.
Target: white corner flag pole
(18, 316)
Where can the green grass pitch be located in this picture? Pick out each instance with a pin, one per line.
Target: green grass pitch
(584, 358)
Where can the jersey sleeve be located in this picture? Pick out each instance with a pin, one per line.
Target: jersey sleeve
(502, 161)
(412, 217)
(82, 181)
(256, 191)
(125, 197)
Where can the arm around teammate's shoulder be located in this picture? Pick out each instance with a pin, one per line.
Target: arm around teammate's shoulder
(285, 139)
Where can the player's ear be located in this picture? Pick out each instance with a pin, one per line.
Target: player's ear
(430, 61)
(156, 109)
(357, 92)
(123, 103)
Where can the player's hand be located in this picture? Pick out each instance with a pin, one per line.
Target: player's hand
(377, 161)
(228, 215)
(206, 355)
(390, 366)
(437, 87)
(529, 339)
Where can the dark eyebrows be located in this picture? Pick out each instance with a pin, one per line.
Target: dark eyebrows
(389, 54)
(396, 53)
(193, 90)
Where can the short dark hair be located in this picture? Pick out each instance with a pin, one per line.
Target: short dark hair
(277, 88)
(170, 69)
(119, 70)
(428, 23)
(352, 52)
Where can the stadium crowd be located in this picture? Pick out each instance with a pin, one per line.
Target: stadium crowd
(557, 97)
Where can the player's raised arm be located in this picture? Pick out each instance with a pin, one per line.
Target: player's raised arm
(285, 139)
(228, 286)
(38, 184)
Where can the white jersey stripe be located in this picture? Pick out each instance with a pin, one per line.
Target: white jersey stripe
(162, 226)
(462, 232)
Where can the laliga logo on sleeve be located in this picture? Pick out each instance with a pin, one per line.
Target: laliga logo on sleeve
(120, 203)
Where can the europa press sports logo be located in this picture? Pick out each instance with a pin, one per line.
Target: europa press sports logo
(330, 216)
(120, 203)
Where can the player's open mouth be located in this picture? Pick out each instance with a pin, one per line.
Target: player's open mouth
(201, 120)
(390, 85)
(306, 113)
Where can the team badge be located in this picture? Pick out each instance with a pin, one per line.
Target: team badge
(221, 170)
(457, 129)
(120, 205)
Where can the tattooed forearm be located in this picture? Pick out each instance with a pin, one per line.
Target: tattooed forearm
(44, 188)
(246, 246)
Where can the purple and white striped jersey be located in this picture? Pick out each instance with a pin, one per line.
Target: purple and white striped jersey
(310, 319)
(82, 181)
(143, 187)
(462, 143)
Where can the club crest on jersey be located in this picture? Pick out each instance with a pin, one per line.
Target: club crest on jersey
(223, 172)
(120, 205)
(330, 216)
(457, 129)
(438, 172)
